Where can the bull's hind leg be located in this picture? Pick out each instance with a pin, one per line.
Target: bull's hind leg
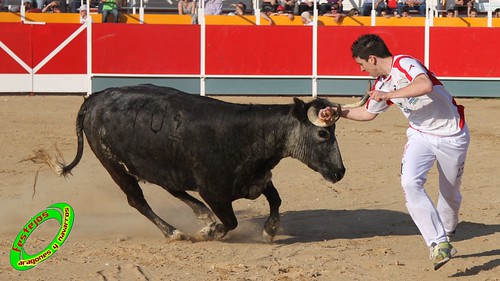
(272, 224)
(200, 210)
(202, 213)
(136, 199)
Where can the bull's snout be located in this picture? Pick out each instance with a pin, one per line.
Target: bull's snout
(339, 174)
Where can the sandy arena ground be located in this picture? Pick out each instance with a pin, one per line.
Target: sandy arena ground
(357, 229)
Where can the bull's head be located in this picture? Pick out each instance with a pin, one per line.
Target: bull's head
(312, 113)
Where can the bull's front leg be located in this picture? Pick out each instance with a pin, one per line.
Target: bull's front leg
(273, 222)
(223, 211)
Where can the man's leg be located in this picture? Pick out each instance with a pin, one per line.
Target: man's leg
(105, 14)
(451, 161)
(116, 17)
(418, 159)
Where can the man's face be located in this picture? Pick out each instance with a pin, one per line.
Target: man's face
(369, 65)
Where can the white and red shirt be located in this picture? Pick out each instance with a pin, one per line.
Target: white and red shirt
(434, 113)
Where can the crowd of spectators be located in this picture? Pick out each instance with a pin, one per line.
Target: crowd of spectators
(110, 9)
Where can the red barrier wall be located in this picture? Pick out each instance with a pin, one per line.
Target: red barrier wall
(33, 43)
(146, 49)
(334, 46)
(239, 50)
(469, 52)
(17, 38)
(259, 50)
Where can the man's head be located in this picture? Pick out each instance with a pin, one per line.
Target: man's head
(83, 11)
(450, 13)
(335, 8)
(306, 18)
(473, 13)
(367, 51)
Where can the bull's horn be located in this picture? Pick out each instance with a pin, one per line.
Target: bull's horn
(312, 115)
(362, 101)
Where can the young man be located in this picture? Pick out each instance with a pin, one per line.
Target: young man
(437, 132)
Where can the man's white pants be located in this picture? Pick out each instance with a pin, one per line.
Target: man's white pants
(421, 151)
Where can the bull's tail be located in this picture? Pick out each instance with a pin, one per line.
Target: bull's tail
(66, 169)
(55, 161)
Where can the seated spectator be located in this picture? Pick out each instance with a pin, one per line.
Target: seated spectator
(463, 5)
(109, 7)
(265, 14)
(385, 13)
(450, 13)
(306, 6)
(289, 6)
(27, 6)
(366, 8)
(405, 12)
(496, 13)
(273, 4)
(392, 7)
(353, 12)
(213, 7)
(325, 6)
(416, 5)
(52, 7)
(281, 12)
(38, 4)
(337, 16)
(239, 9)
(306, 18)
(83, 13)
(473, 13)
(74, 6)
(187, 7)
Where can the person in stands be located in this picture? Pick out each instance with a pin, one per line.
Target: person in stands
(109, 7)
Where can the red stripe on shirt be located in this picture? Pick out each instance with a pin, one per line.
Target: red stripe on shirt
(397, 64)
(461, 112)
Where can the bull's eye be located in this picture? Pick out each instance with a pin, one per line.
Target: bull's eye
(323, 134)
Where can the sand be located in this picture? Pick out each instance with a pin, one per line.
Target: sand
(356, 229)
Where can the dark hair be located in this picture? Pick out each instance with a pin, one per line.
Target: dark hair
(369, 44)
(243, 6)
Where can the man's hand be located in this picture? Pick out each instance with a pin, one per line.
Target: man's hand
(326, 114)
(378, 95)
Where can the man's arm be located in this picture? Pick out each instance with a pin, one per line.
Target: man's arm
(421, 85)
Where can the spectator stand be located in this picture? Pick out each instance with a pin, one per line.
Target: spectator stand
(170, 6)
(484, 7)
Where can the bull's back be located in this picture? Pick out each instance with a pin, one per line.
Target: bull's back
(158, 134)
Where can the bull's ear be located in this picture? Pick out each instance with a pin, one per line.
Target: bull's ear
(299, 109)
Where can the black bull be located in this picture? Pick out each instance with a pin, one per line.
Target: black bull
(184, 142)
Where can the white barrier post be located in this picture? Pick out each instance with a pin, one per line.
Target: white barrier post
(373, 14)
(315, 52)
(141, 13)
(201, 21)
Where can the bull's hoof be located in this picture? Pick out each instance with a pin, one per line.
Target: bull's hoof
(177, 236)
(212, 231)
(269, 237)
(271, 229)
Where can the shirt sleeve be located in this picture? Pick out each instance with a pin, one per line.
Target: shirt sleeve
(374, 106)
(377, 107)
(410, 67)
